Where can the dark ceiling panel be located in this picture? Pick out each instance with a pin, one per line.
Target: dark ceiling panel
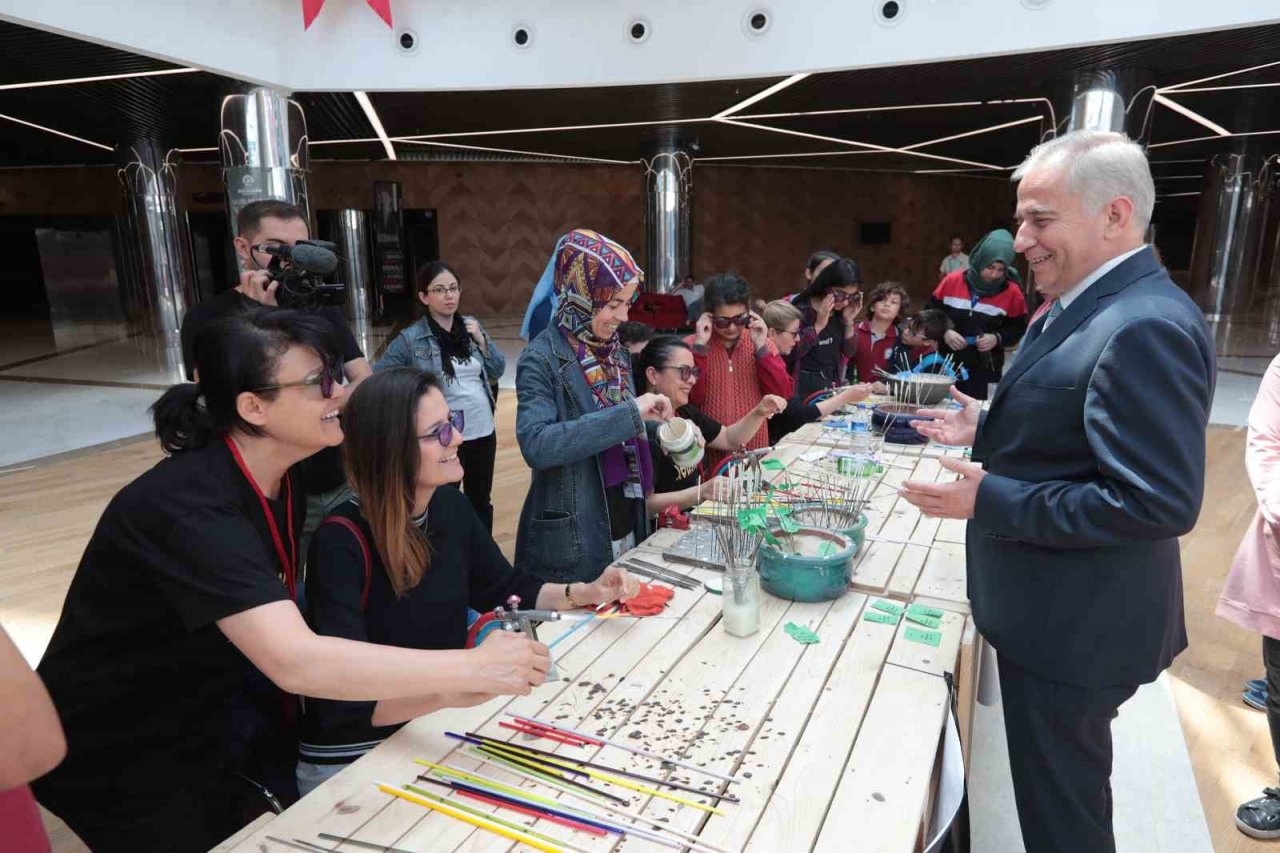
(28, 55)
(349, 151)
(334, 115)
(416, 113)
(24, 146)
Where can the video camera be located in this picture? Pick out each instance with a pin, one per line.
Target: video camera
(300, 269)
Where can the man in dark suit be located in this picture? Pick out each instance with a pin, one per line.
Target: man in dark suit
(1087, 466)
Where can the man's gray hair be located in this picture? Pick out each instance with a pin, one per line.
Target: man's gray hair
(1099, 165)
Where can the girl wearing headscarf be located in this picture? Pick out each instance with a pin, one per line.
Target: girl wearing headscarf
(579, 423)
(986, 306)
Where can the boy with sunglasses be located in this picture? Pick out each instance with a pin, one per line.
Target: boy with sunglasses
(737, 363)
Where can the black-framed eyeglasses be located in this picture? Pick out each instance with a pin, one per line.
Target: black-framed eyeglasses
(686, 372)
(842, 297)
(444, 432)
(742, 320)
(447, 290)
(326, 379)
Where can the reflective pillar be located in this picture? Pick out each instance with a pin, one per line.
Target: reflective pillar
(1231, 263)
(351, 234)
(668, 219)
(1116, 99)
(159, 277)
(263, 141)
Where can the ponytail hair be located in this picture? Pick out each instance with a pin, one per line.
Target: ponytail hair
(235, 354)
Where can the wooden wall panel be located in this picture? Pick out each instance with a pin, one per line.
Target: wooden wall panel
(499, 221)
(764, 223)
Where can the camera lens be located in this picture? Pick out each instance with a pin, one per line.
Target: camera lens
(890, 10)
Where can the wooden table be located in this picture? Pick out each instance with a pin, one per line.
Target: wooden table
(835, 744)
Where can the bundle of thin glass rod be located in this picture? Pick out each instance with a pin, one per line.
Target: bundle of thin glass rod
(917, 389)
(838, 489)
(743, 521)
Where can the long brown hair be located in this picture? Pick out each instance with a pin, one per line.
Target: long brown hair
(382, 458)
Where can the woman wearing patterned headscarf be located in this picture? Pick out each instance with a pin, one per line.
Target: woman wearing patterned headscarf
(579, 423)
(986, 306)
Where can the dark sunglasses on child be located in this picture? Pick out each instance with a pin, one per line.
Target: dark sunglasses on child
(743, 320)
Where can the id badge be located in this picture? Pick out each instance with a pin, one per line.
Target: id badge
(633, 489)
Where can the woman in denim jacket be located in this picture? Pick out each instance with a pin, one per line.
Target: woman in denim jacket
(580, 426)
(455, 348)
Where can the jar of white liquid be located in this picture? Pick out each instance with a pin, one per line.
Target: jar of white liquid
(679, 440)
(740, 600)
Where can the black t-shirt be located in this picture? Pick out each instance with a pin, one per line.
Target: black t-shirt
(141, 676)
(824, 358)
(321, 472)
(665, 476)
(467, 570)
(795, 415)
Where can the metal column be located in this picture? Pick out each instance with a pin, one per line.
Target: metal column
(264, 151)
(351, 234)
(668, 219)
(1116, 99)
(159, 283)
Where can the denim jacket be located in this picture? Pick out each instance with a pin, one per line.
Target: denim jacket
(564, 526)
(417, 346)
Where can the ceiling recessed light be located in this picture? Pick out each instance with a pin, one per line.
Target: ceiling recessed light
(638, 31)
(522, 36)
(889, 13)
(756, 22)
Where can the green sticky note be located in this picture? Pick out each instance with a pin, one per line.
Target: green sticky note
(887, 607)
(921, 619)
(800, 633)
(786, 522)
(918, 635)
(921, 610)
(772, 464)
(882, 618)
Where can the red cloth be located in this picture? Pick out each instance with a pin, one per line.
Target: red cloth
(731, 385)
(311, 8)
(20, 824)
(650, 601)
(870, 355)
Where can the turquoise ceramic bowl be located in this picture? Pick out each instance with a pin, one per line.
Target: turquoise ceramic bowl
(801, 577)
(857, 534)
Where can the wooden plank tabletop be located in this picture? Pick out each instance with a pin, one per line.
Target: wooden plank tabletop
(828, 742)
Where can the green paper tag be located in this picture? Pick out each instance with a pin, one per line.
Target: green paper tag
(772, 464)
(786, 522)
(921, 610)
(800, 633)
(887, 607)
(921, 619)
(929, 638)
(882, 618)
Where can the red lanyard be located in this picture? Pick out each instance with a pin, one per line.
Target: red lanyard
(287, 564)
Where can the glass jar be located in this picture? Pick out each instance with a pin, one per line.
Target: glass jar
(740, 601)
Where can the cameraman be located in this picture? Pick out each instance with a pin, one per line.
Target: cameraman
(280, 223)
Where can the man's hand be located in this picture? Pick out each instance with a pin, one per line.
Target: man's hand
(954, 340)
(759, 331)
(472, 326)
(986, 343)
(947, 500)
(258, 286)
(956, 427)
(702, 331)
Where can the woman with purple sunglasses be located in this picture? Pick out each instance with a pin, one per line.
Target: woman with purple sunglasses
(404, 561)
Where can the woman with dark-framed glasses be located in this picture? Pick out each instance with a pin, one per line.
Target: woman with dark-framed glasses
(186, 594)
(455, 347)
(404, 560)
(829, 306)
(666, 366)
